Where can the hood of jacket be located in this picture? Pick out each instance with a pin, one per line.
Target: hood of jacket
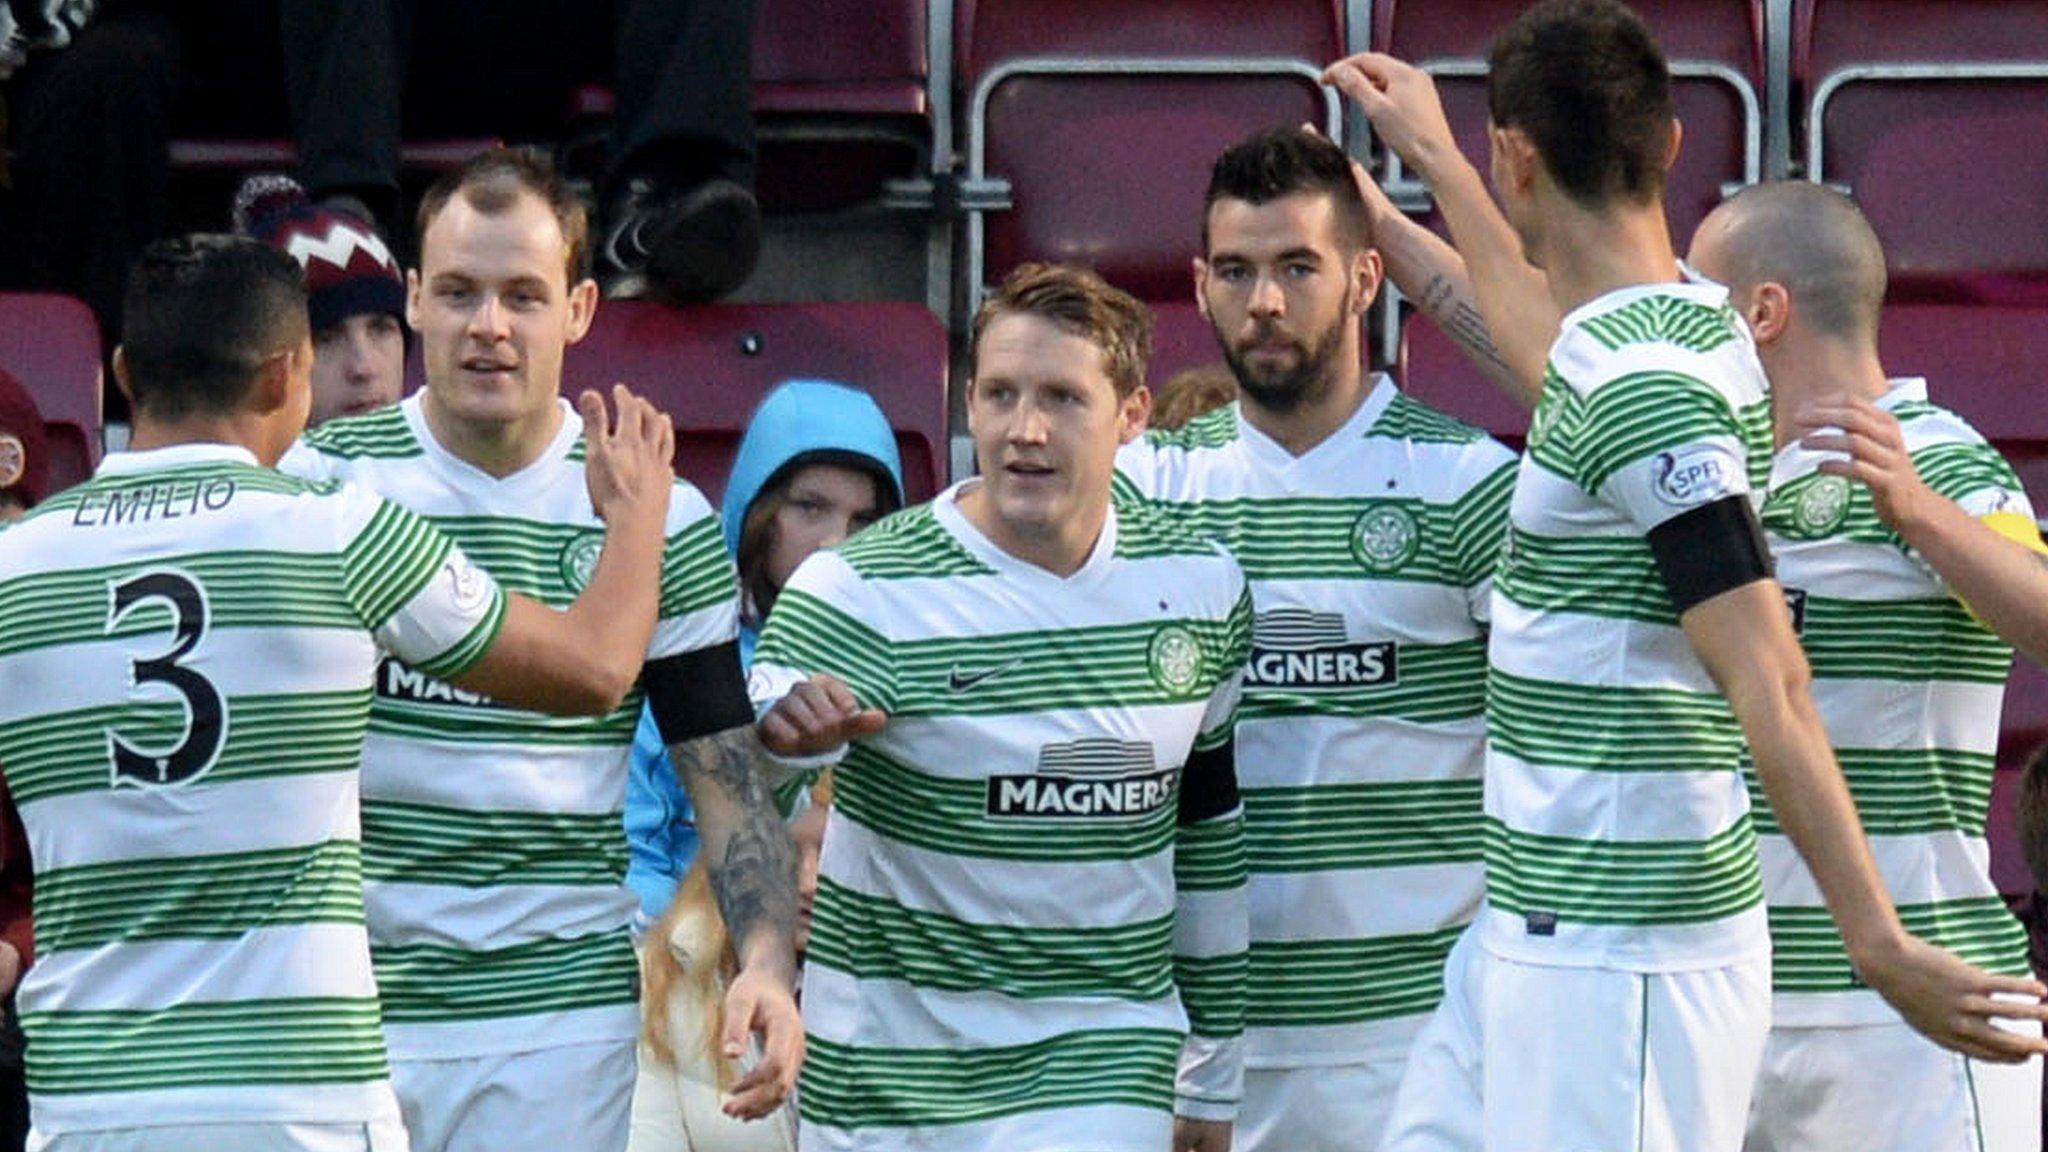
(798, 418)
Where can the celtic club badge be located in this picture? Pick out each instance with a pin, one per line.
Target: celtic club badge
(1385, 538)
(1822, 506)
(579, 559)
(1175, 659)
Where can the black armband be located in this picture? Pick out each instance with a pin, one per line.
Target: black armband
(697, 693)
(1208, 784)
(1711, 549)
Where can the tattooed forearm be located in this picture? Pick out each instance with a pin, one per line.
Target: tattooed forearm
(753, 865)
(1460, 320)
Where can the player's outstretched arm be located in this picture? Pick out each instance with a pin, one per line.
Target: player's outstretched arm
(753, 875)
(2003, 581)
(583, 660)
(1744, 637)
(1489, 275)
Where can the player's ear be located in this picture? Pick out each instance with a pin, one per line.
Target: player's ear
(582, 308)
(1134, 414)
(1769, 311)
(412, 299)
(271, 389)
(1366, 273)
(1200, 268)
(121, 375)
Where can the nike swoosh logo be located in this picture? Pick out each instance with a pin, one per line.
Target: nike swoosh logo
(960, 681)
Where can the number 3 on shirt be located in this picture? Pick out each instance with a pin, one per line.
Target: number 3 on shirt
(205, 730)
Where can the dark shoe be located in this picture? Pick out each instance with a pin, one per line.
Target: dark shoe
(692, 245)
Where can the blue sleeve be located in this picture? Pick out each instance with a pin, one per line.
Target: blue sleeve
(661, 828)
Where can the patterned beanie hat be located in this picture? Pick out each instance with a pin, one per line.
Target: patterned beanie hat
(349, 270)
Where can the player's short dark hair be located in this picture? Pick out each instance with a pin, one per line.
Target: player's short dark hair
(1587, 83)
(2032, 817)
(492, 182)
(202, 314)
(1080, 302)
(1285, 162)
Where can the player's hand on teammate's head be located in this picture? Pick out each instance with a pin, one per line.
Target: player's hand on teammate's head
(1955, 1004)
(815, 717)
(1377, 205)
(1870, 447)
(759, 1003)
(629, 449)
(1200, 1135)
(1402, 103)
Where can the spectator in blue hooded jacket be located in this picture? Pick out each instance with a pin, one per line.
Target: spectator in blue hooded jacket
(818, 464)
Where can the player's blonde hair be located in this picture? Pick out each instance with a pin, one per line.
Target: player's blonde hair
(1083, 303)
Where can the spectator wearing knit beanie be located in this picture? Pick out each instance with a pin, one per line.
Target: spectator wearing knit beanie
(24, 453)
(355, 296)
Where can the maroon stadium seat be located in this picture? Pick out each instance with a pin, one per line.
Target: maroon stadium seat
(1717, 58)
(708, 366)
(2008, 863)
(1181, 339)
(1433, 371)
(52, 345)
(1106, 163)
(850, 57)
(1989, 363)
(281, 155)
(1931, 114)
(841, 94)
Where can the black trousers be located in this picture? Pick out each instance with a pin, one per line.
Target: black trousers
(360, 76)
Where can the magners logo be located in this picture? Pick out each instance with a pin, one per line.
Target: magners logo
(1098, 779)
(1298, 649)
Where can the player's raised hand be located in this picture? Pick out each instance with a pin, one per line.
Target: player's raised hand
(759, 1003)
(1873, 451)
(627, 455)
(1402, 103)
(1952, 1002)
(1200, 1135)
(815, 717)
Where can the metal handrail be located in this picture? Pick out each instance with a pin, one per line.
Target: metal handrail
(1857, 73)
(981, 192)
(1413, 195)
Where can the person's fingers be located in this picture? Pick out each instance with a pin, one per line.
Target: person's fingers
(625, 415)
(2017, 986)
(866, 722)
(802, 714)
(740, 999)
(664, 436)
(596, 422)
(755, 1094)
(783, 1042)
(839, 696)
(778, 734)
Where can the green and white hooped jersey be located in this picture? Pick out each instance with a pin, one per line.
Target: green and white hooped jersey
(1617, 819)
(494, 856)
(1361, 738)
(1016, 929)
(187, 643)
(1910, 687)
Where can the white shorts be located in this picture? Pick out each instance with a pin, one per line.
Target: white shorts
(1438, 1106)
(380, 1136)
(1595, 1060)
(1532, 1058)
(579, 1097)
(1334, 1108)
(1886, 1088)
